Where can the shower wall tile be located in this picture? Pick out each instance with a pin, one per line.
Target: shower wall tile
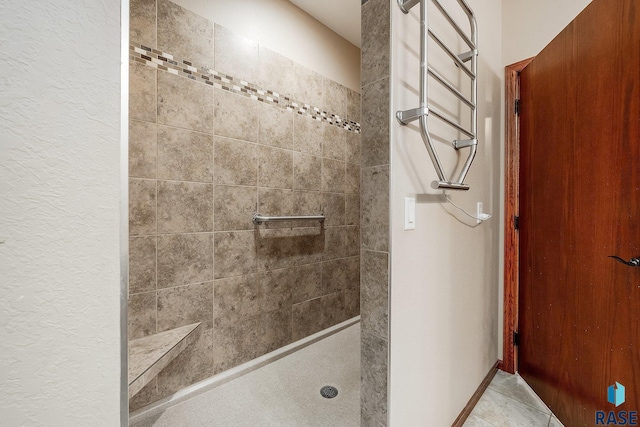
(148, 394)
(334, 275)
(334, 243)
(307, 135)
(307, 172)
(275, 290)
(143, 146)
(234, 253)
(352, 302)
(142, 92)
(184, 207)
(352, 179)
(306, 318)
(353, 272)
(307, 85)
(142, 22)
(185, 34)
(184, 155)
(375, 123)
(353, 106)
(142, 264)
(236, 162)
(184, 259)
(234, 207)
(333, 309)
(288, 247)
(274, 330)
(235, 55)
(236, 116)
(184, 305)
(306, 282)
(184, 103)
(234, 343)
(275, 202)
(352, 147)
(142, 206)
(334, 98)
(375, 62)
(333, 206)
(375, 293)
(307, 203)
(276, 126)
(237, 297)
(374, 224)
(275, 71)
(275, 167)
(373, 389)
(141, 315)
(193, 364)
(333, 176)
(352, 215)
(334, 142)
(352, 240)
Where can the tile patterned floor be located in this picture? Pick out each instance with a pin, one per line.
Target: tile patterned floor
(510, 402)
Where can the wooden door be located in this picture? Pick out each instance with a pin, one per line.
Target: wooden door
(579, 203)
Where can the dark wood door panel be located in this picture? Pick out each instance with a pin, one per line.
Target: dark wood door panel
(579, 203)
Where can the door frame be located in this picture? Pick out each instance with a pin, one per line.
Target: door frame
(511, 210)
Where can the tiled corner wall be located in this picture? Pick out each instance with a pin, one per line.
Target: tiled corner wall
(374, 222)
(220, 127)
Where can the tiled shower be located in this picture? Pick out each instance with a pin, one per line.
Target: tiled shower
(222, 127)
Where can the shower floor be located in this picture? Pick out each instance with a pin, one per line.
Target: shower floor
(283, 393)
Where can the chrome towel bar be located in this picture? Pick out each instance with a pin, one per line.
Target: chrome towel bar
(260, 219)
(422, 112)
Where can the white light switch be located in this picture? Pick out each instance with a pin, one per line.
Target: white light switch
(409, 213)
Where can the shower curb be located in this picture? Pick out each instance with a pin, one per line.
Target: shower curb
(194, 390)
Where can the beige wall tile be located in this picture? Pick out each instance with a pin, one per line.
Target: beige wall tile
(275, 72)
(141, 315)
(352, 302)
(234, 342)
(276, 126)
(353, 148)
(275, 202)
(142, 92)
(275, 167)
(142, 22)
(282, 248)
(142, 264)
(142, 206)
(143, 148)
(237, 297)
(148, 394)
(274, 330)
(235, 55)
(306, 319)
(375, 293)
(307, 203)
(374, 365)
(184, 103)
(376, 43)
(308, 86)
(236, 162)
(333, 309)
(333, 206)
(307, 172)
(307, 135)
(352, 214)
(334, 142)
(306, 282)
(334, 98)
(353, 106)
(275, 287)
(374, 226)
(184, 305)
(352, 240)
(352, 179)
(184, 155)
(185, 34)
(184, 259)
(334, 243)
(184, 207)
(333, 176)
(234, 253)
(234, 207)
(375, 124)
(334, 275)
(236, 116)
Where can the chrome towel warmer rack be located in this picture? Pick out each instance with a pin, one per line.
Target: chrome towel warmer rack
(422, 112)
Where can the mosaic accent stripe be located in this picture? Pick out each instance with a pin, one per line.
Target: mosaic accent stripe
(182, 67)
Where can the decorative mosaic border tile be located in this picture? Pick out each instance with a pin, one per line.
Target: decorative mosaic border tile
(182, 67)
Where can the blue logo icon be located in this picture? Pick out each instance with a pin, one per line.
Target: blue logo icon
(615, 394)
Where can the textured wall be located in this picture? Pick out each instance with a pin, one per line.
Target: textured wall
(445, 273)
(235, 129)
(59, 210)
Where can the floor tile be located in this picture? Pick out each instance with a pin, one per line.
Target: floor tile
(515, 387)
(502, 411)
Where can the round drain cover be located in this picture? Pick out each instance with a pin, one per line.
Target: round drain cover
(328, 392)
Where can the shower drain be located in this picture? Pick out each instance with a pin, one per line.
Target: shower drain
(328, 392)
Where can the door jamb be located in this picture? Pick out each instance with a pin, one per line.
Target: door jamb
(511, 210)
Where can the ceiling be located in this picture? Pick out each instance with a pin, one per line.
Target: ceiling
(342, 16)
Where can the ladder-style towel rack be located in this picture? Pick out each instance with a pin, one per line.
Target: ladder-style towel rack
(424, 110)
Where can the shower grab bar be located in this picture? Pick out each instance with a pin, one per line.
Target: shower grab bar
(422, 112)
(260, 219)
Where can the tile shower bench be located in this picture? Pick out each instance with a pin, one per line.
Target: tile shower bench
(150, 355)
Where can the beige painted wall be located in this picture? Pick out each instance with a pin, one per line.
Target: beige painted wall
(444, 274)
(287, 30)
(528, 26)
(59, 213)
